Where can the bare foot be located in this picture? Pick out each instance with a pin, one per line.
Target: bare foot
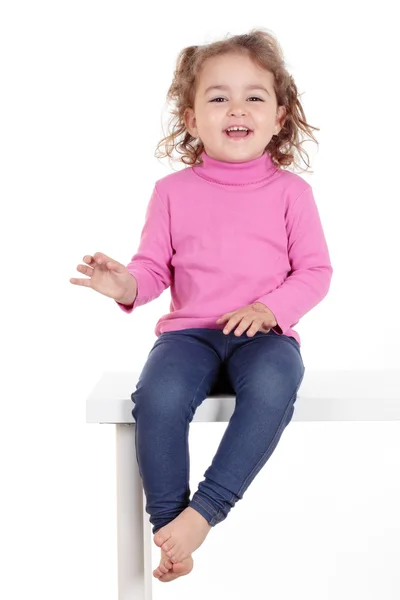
(168, 571)
(183, 535)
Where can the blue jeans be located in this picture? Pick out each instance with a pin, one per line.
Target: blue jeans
(264, 372)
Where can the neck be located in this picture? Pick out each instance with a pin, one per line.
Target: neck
(235, 173)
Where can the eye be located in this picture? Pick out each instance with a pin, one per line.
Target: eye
(220, 98)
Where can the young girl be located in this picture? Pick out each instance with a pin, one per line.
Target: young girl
(239, 240)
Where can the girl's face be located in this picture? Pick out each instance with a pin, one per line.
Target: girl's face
(239, 102)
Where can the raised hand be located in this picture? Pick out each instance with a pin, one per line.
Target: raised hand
(108, 277)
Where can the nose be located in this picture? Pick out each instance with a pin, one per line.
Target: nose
(237, 111)
(237, 108)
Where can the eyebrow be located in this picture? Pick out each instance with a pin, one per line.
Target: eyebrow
(248, 87)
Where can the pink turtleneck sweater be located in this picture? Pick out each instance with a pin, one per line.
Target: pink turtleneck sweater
(223, 235)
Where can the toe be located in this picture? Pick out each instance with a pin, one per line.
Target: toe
(160, 537)
(178, 556)
(167, 546)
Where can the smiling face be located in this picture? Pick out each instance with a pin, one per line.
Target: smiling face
(240, 102)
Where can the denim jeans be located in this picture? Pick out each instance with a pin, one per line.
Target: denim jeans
(183, 367)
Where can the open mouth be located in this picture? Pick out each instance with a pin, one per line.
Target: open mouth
(238, 134)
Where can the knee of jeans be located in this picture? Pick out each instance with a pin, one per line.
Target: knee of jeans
(160, 402)
(274, 392)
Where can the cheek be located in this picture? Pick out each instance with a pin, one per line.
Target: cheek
(213, 119)
(213, 113)
(212, 126)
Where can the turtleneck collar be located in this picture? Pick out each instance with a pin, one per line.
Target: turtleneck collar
(236, 173)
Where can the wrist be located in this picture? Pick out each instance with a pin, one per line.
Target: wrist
(130, 294)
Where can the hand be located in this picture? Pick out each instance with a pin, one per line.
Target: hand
(257, 315)
(108, 277)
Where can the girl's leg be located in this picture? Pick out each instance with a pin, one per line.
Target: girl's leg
(265, 372)
(177, 376)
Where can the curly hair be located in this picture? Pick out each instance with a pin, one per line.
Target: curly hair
(263, 48)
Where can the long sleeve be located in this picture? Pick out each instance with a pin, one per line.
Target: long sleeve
(311, 271)
(151, 265)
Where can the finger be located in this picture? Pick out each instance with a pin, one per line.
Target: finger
(85, 269)
(265, 326)
(264, 330)
(254, 328)
(103, 259)
(113, 265)
(233, 321)
(100, 258)
(88, 259)
(243, 325)
(83, 282)
(224, 317)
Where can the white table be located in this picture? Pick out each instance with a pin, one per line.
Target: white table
(322, 396)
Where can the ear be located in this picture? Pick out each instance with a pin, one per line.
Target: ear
(280, 119)
(190, 122)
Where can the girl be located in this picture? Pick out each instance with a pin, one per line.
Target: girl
(239, 240)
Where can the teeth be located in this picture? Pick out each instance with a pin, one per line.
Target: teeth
(237, 129)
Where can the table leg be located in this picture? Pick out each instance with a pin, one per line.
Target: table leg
(134, 535)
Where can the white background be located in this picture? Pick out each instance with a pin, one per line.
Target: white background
(83, 87)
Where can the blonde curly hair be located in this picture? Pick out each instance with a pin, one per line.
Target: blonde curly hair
(264, 49)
